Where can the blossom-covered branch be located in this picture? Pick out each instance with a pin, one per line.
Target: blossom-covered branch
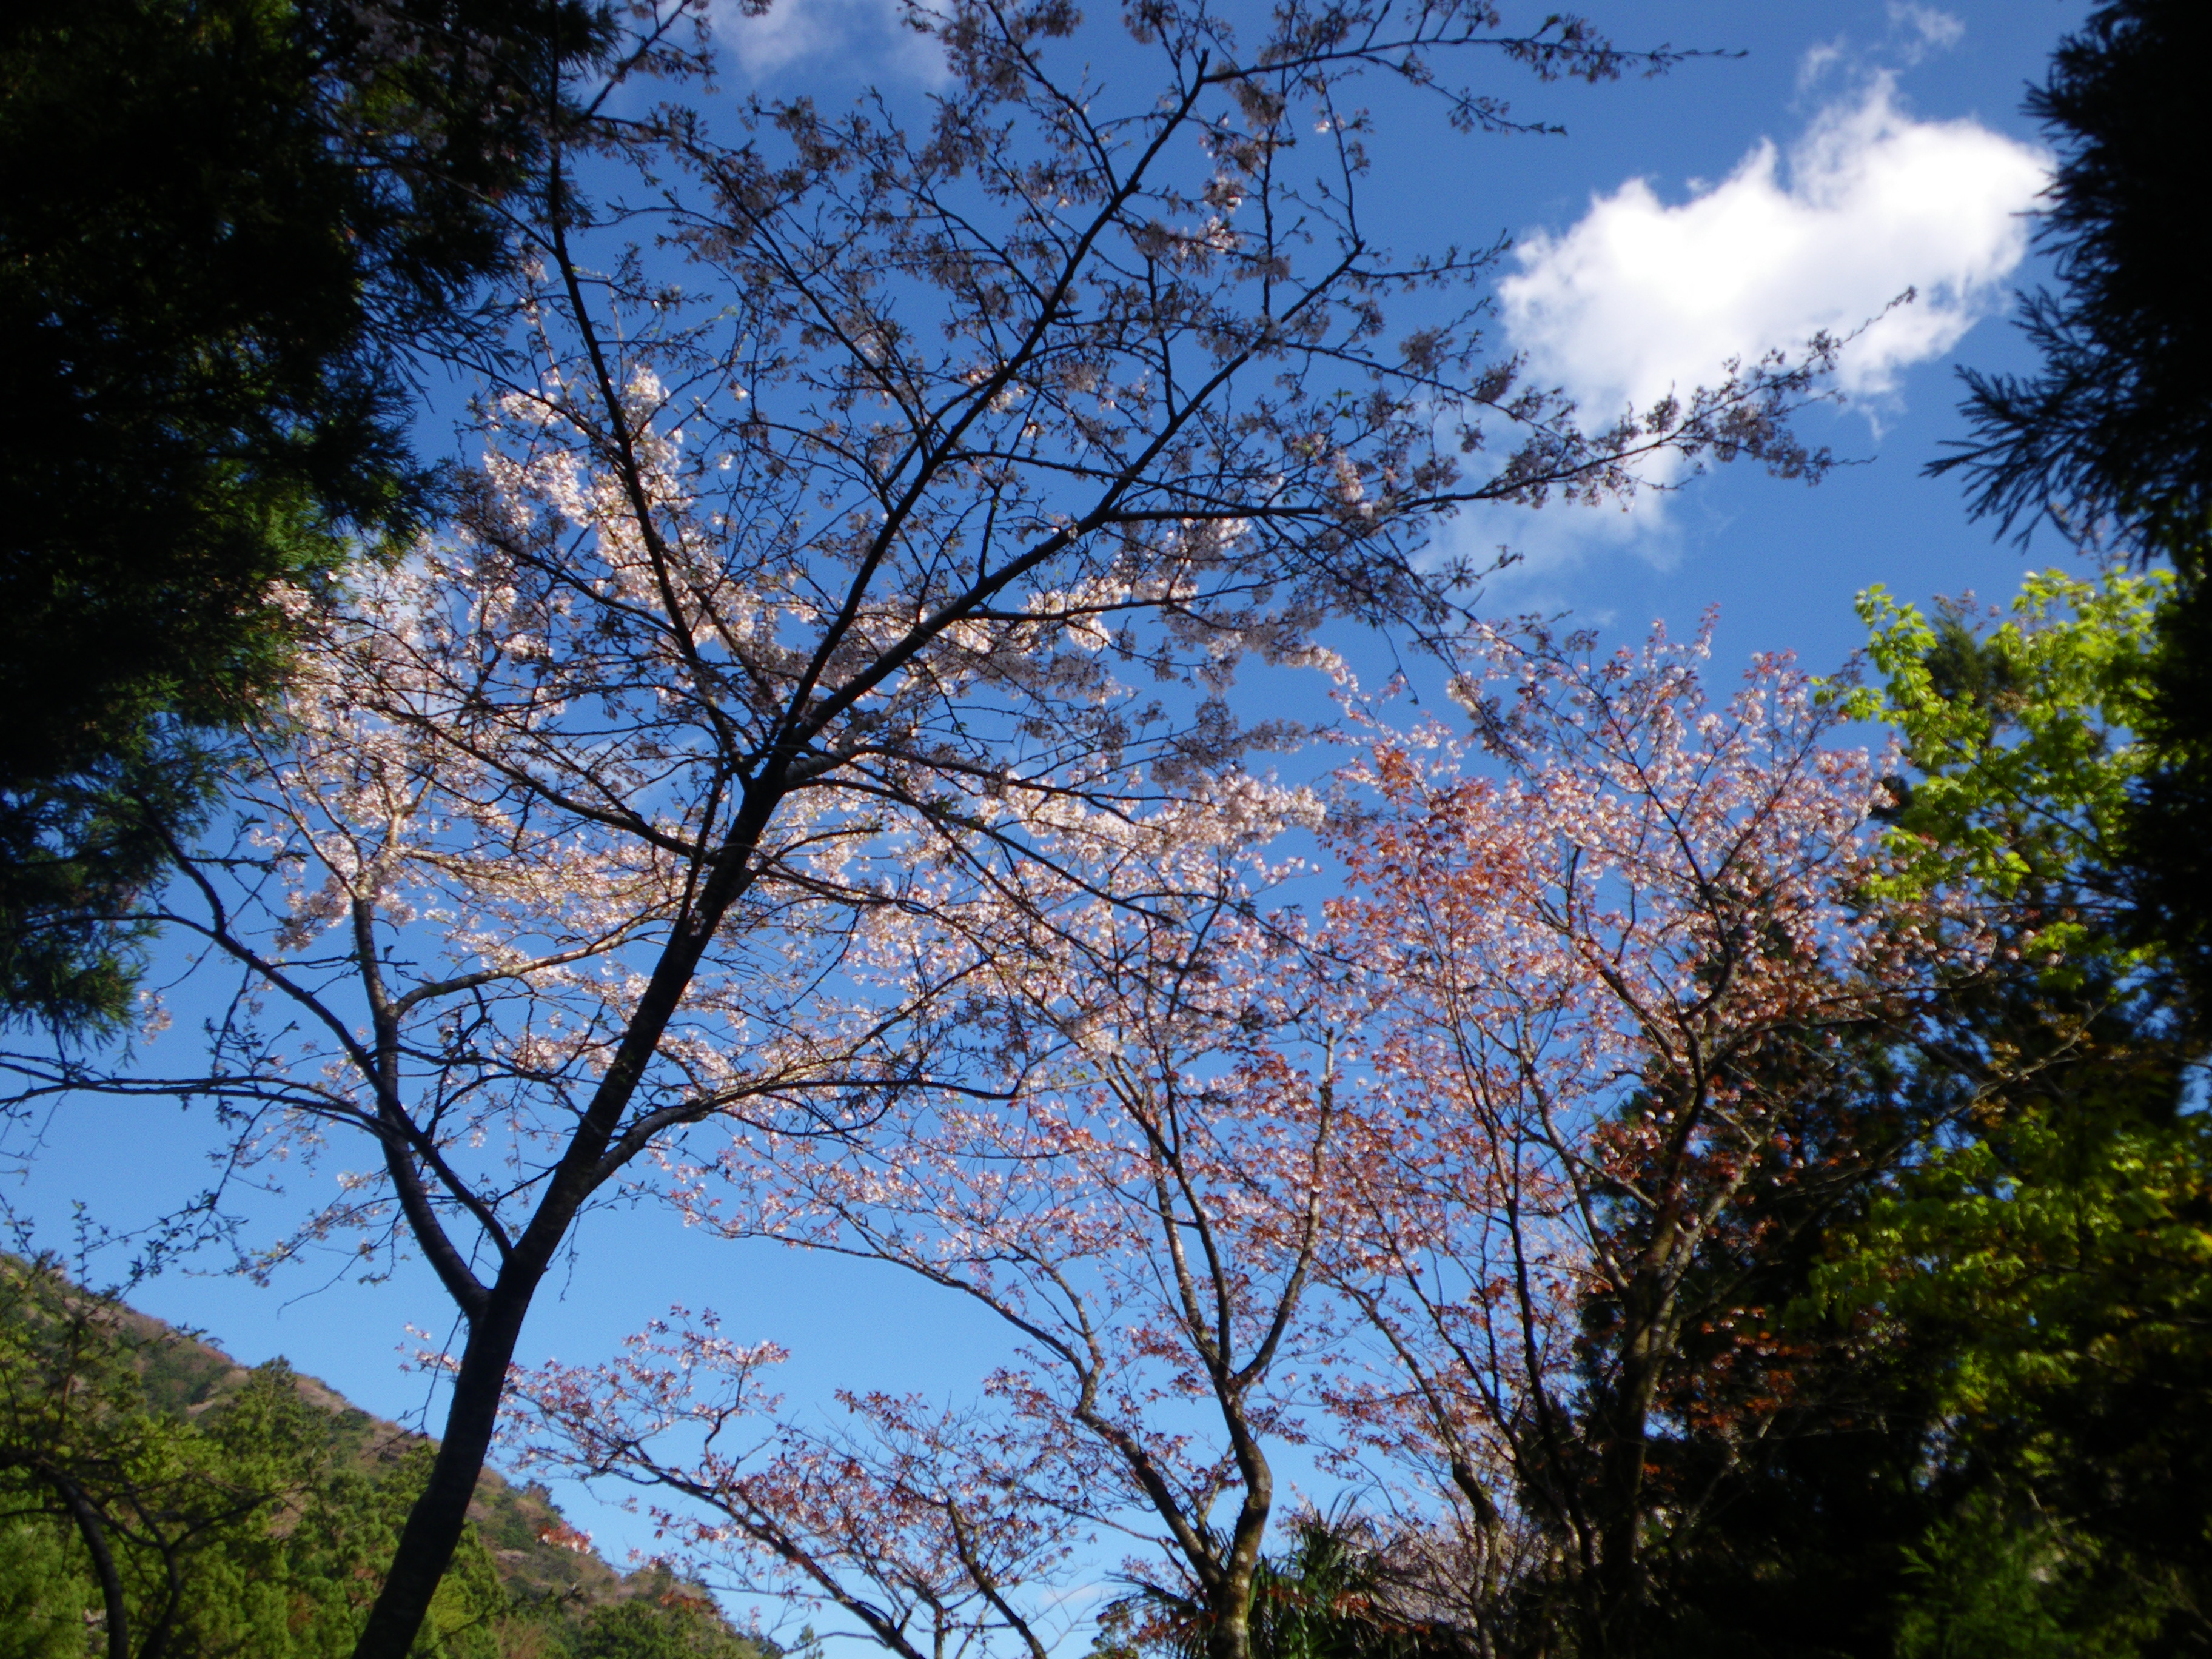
(1617, 988)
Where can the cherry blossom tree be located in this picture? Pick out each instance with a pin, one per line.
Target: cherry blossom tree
(933, 1530)
(1144, 1204)
(1615, 980)
(876, 505)
(1574, 1022)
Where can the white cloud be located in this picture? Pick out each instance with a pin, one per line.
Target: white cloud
(1820, 58)
(1923, 30)
(1916, 33)
(1640, 297)
(868, 38)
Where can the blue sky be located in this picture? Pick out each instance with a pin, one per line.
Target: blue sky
(1852, 151)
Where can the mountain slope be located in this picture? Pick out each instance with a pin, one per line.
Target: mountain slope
(248, 1511)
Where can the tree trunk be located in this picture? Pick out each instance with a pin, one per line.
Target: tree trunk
(1230, 1634)
(94, 1533)
(434, 1525)
(1614, 1608)
(1229, 1598)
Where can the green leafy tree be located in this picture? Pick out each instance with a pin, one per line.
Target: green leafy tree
(2111, 434)
(665, 1620)
(1944, 1404)
(2053, 1250)
(2000, 1581)
(41, 1596)
(257, 1528)
(1336, 1593)
(2021, 741)
(227, 223)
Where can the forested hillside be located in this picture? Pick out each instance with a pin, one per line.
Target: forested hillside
(248, 1511)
